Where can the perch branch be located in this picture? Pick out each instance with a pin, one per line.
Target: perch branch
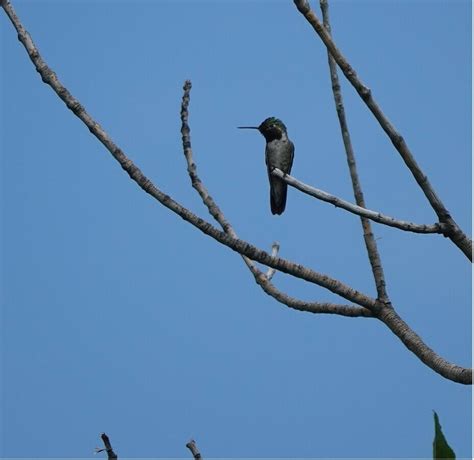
(262, 280)
(453, 231)
(358, 210)
(386, 314)
(191, 445)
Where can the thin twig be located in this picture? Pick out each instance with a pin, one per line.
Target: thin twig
(271, 271)
(196, 182)
(191, 445)
(453, 231)
(262, 280)
(358, 210)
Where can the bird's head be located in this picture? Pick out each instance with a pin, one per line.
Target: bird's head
(272, 128)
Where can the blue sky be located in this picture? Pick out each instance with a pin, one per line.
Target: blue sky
(118, 316)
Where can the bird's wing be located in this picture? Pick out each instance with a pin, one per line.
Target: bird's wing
(292, 156)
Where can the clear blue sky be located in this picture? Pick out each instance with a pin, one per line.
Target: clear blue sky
(118, 316)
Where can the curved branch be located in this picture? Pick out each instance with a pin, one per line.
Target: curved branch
(350, 311)
(454, 232)
(416, 345)
(358, 210)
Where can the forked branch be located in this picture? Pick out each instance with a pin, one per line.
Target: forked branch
(453, 231)
(387, 313)
(378, 309)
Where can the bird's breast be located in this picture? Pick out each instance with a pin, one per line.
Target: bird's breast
(277, 154)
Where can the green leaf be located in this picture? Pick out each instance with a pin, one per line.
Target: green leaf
(441, 447)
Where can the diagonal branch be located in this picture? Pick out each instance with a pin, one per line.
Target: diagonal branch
(358, 210)
(216, 212)
(454, 232)
(416, 345)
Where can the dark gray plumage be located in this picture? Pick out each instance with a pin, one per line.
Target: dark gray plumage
(279, 153)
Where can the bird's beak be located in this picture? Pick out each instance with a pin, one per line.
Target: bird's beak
(247, 127)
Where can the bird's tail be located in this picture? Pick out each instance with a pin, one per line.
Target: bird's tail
(278, 191)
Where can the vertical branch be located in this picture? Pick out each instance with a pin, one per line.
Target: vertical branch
(370, 243)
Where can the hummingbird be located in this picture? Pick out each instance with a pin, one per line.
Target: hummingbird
(279, 152)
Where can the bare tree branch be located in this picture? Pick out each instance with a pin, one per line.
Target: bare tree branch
(262, 280)
(386, 313)
(358, 210)
(191, 445)
(454, 232)
(311, 307)
(382, 311)
(370, 243)
(416, 345)
(111, 455)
